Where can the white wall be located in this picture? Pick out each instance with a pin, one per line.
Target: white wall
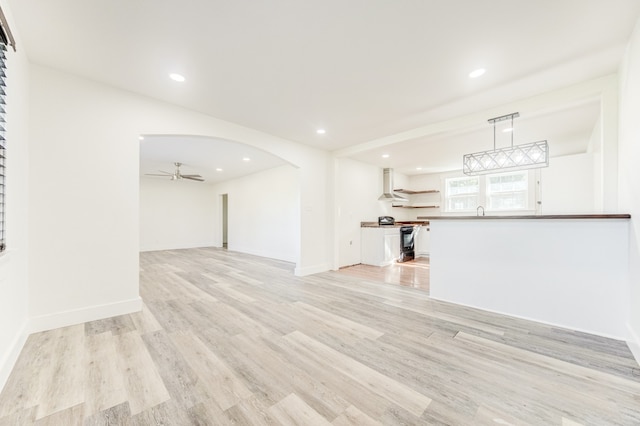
(426, 182)
(14, 262)
(263, 213)
(568, 185)
(629, 176)
(357, 188)
(84, 207)
(176, 214)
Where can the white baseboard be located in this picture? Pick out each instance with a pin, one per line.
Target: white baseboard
(600, 333)
(287, 257)
(161, 247)
(78, 316)
(633, 341)
(10, 357)
(310, 270)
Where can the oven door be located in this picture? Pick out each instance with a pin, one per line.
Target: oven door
(406, 243)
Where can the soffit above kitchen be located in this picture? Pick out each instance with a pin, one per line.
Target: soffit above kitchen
(568, 130)
(358, 69)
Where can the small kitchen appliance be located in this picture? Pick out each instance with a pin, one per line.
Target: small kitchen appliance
(386, 220)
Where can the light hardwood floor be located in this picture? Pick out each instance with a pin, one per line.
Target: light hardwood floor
(226, 339)
(414, 273)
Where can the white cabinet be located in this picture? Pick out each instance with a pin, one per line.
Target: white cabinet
(421, 242)
(380, 246)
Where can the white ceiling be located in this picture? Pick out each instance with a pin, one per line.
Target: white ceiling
(361, 69)
(567, 131)
(201, 155)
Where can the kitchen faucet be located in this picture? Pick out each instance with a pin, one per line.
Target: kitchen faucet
(478, 211)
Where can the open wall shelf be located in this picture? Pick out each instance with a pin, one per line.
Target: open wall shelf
(410, 192)
(417, 207)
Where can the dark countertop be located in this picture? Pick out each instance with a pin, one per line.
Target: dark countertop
(397, 225)
(548, 216)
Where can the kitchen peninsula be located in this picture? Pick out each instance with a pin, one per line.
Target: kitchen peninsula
(565, 270)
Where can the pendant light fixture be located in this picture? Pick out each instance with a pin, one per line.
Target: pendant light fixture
(519, 157)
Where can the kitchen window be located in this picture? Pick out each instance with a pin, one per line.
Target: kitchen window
(507, 191)
(462, 194)
(498, 192)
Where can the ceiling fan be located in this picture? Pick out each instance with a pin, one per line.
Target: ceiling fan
(177, 175)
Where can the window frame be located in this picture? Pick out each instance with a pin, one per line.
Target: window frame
(483, 193)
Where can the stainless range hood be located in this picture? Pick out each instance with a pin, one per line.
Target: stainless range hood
(387, 187)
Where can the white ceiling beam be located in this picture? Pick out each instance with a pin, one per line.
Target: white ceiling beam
(543, 103)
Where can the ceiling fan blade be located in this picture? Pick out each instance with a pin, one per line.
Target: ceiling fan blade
(155, 174)
(192, 178)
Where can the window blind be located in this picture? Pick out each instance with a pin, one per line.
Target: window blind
(6, 38)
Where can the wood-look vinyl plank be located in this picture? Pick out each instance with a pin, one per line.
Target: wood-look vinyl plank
(450, 318)
(118, 415)
(354, 417)
(144, 321)
(568, 422)
(481, 365)
(489, 416)
(352, 391)
(115, 325)
(141, 379)
(386, 318)
(167, 413)
(223, 385)
(103, 382)
(390, 389)
(22, 417)
(622, 384)
(272, 368)
(253, 411)
(64, 380)
(207, 413)
(273, 316)
(152, 290)
(231, 291)
(29, 379)
(232, 339)
(446, 413)
(478, 378)
(72, 416)
(336, 322)
(294, 411)
(588, 353)
(185, 290)
(178, 377)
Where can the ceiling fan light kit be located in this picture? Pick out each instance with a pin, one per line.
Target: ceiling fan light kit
(177, 175)
(516, 157)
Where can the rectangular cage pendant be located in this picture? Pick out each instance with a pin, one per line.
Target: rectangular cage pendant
(519, 157)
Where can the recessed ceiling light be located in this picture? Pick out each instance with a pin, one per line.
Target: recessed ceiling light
(176, 77)
(246, 159)
(477, 73)
(218, 169)
(141, 138)
(418, 168)
(321, 131)
(508, 129)
(385, 155)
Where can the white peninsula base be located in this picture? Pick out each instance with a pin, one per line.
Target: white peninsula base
(567, 272)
